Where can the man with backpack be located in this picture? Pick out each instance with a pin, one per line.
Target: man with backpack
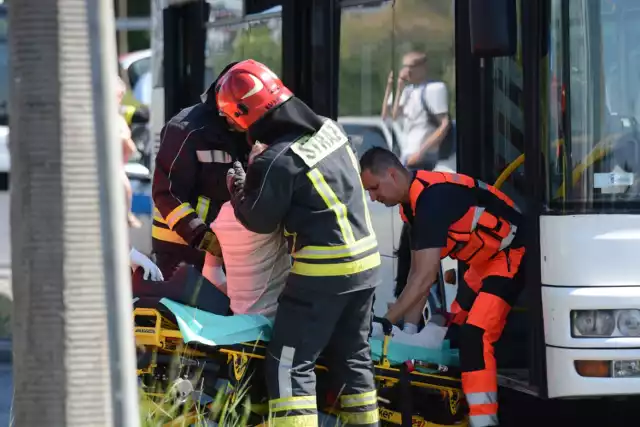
(422, 107)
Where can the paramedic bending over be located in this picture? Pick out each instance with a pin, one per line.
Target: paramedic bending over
(257, 265)
(455, 215)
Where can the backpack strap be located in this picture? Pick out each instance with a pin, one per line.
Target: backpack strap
(433, 119)
(447, 145)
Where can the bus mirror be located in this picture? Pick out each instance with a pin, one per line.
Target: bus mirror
(492, 28)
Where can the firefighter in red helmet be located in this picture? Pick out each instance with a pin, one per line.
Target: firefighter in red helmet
(308, 180)
(456, 215)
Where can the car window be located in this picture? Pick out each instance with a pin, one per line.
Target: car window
(364, 137)
(137, 69)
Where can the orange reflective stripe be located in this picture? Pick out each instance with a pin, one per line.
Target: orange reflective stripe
(480, 381)
(483, 409)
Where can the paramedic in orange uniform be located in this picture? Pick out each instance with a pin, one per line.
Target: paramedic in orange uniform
(455, 215)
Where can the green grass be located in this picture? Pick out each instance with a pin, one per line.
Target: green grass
(161, 405)
(230, 407)
(227, 409)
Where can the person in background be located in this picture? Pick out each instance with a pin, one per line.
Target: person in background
(422, 107)
(128, 150)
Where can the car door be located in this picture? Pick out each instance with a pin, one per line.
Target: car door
(386, 221)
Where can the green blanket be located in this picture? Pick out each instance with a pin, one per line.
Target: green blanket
(197, 326)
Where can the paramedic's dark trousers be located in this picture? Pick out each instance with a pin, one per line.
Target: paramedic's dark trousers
(309, 323)
(480, 309)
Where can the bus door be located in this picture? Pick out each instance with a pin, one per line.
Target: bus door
(492, 146)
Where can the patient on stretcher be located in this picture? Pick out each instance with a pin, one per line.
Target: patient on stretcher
(256, 265)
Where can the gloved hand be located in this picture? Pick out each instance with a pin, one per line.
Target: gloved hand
(376, 330)
(210, 244)
(151, 271)
(235, 178)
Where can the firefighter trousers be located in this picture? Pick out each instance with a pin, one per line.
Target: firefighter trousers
(480, 309)
(307, 324)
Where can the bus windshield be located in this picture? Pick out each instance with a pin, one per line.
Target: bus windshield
(593, 132)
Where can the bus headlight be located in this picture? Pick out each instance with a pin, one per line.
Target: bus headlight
(593, 323)
(629, 323)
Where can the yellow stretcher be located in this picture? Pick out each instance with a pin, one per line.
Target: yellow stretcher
(415, 393)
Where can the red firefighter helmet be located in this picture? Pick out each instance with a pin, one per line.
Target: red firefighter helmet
(247, 91)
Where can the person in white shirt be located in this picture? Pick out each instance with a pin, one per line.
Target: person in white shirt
(423, 110)
(257, 265)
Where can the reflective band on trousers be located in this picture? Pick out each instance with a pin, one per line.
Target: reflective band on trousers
(294, 403)
(479, 399)
(483, 420)
(343, 251)
(361, 399)
(360, 418)
(294, 421)
(337, 269)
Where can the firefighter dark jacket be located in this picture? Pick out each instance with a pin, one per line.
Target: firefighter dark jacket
(308, 180)
(196, 150)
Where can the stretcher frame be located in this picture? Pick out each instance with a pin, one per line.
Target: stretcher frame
(163, 338)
